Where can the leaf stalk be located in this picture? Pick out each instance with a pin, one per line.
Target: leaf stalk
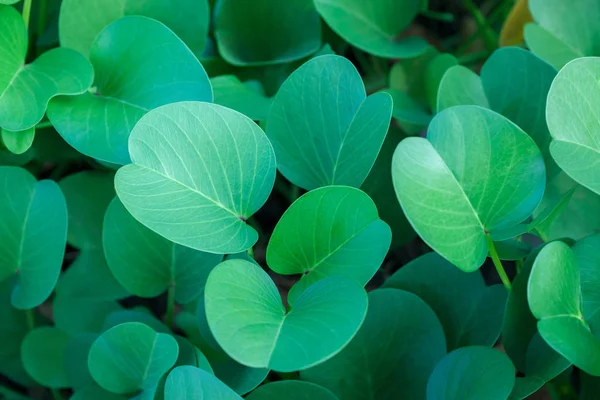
(498, 263)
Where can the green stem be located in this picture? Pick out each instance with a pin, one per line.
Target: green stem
(170, 305)
(472, 58)
(489, 37)
(498, 263)
(294, 192)
(251, 252)
(30, 318)
(438, 16)
(27, 12)
(41, 22)
(43, 125)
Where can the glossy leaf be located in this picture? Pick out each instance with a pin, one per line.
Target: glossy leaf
(232, 93)
(18, 142)
(163, 69)
(33, 230)
(248, 320)
(454, 190)
(324, 128)
(330, 231)
(375, 27)
(217, 171)
(291, 390)
(381, 361)
(25, 89)
(43, 352)
(460, 86)
(189, 383)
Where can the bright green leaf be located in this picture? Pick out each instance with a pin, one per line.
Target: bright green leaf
(460, 86)
(43, 353)
(18, 142)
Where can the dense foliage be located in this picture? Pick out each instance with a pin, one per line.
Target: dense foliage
(299, 199)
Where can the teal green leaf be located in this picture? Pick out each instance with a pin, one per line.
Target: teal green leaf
(590, 386)
(330, 231)
(391, 357)
(472, 373)
(588, 260)
(217, 171)
(324, 128)
(162, 69)
(95, 392)
(232, 93)
(189, 354)
(26, 89)
(76, 360)
(80, 21)
(375, 26)
(88, 194)
(454, 190)
(73, 315)
(471, 313)
(409, 113)
(18, 142)
(130, 357)
(190, 383)
(573, 123)
(43, 353)
(247, 318)
(267, 31)
(33, 232)
(512, 249)
(147, 264)
(460, 86)
(434, 72)
(548, 47)
(142, 316)
(291, 390)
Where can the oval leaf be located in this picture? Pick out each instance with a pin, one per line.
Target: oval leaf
(190, 383)
(460, 86)
(43, 354)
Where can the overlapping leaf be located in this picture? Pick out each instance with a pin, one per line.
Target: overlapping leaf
(291, 390)
(189, 383)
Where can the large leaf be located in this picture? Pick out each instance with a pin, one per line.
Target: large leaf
(291, 390)
(472, 373)
(330, 231)
(574, 122)
(247, 318)
(324, 128)
(217, 170)
(159, 70)
(470, 312)
(25, 89)
(33, 233)
(80, 21)
(375, 26)
(147, 264)
(475, 172)
(393, 354)
(131, 357)
(189, 383)
(266, 31)
(43, 353)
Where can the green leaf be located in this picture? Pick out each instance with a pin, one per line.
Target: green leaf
(472, 373)
(26, 89)
(588, 261)
(146, 264)
(217, 171)
(390, 357)
(76, 360)
(291, 390)
(324, 128)
(130, 357)
(330, 231)
(453, 190)
(375, 26)
(470, 312)
(232, 93)
(80, 21)
(434, 73)
(189, 383)
(460, 86)
(73, 315)
(18, 142)
(548, 47)
(573, 123)
(409, 113)
(95, 392)
(247, 318)
(140, 315)
(33, 231)
(163, 69)
(43, 353)
(267, 31)
(88, 194)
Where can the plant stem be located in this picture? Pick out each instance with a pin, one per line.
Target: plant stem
(27, 12)
(30, 318)
(438, 16)
(294, 192)
(498, 263)
(43, 125)
(489, 37)
(251, 252)
(41, 22)
(473, 57)
(170, 305)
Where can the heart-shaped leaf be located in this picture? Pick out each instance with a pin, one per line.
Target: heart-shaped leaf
(375, 26)
(454, 189)
(573, 122)
(217, 171)
(190, 383)
(330, 231)
(25, 89)
(460, 86)
(130, 357)
(18, 142)
(80, 21)
(381, 361)
(232, 93)
(247, 318)
(147, 264)
(160, 70)
(33, 231)
(288, 31)
(43, 353)
(291, 390)
(324, 128)
(472, 373)
(470, 312)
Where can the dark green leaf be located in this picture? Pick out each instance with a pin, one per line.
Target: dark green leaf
(190, 383)
(43, 354)
(291, 390)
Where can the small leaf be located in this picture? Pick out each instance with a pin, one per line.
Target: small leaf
(240, 297)
(43, 353)
(434, 73)
(189, 383)
(291, 390)
(121, 367)
(460, 86)
(18, 142)
(512, 29)
(217, 171)
(232, 93)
